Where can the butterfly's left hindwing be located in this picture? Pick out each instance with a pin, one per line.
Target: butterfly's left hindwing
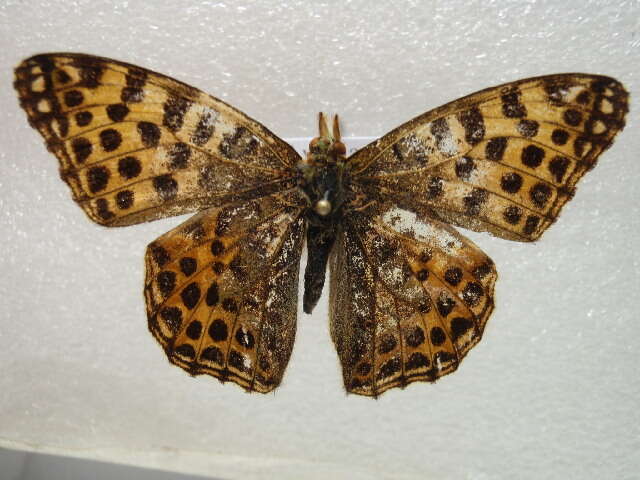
(222, 291)
(408, 299)
(135, 145)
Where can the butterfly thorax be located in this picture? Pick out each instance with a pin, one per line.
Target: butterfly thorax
(323, 177)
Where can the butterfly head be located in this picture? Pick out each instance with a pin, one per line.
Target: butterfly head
(323, 169)
(327, 147)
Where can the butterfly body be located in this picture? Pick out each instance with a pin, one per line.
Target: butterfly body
(409, 296)
(325, 185)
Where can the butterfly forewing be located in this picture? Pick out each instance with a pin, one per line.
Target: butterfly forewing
(135, 145)
(504, 160)
(221, 291)
(408, 299)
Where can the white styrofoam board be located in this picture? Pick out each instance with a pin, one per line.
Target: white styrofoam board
(549, 391)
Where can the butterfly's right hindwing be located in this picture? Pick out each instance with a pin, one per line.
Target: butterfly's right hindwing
(222, 291)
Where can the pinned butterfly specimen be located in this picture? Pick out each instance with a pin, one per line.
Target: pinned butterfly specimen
(409, 296)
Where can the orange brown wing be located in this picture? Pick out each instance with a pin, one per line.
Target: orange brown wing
(222, 290)
(408, 299)
(135, 145)
(503, 160)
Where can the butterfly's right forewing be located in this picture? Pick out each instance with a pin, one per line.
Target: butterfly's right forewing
(135, 145)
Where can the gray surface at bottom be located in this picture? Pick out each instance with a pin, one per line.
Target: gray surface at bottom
(19, 465)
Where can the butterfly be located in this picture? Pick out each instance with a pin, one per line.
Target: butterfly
(409, 296)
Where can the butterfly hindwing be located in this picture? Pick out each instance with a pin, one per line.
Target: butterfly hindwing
(408, 299)
(504, 160)
(135, 145)
(221, 291)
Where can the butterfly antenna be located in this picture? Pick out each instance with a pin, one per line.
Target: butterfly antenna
(336, 128)
(322, 125)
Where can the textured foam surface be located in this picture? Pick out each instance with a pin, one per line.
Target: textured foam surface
(550, 391)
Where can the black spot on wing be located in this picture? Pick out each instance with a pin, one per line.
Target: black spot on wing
(205, 127)
(473, 124)
(174, 111)
(441, 132)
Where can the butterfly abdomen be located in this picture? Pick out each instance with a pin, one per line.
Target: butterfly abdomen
(324, 189)
(320, 240)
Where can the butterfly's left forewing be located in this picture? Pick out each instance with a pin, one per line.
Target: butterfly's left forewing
(503, 160)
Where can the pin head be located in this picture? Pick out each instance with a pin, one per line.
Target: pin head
(323, 207)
